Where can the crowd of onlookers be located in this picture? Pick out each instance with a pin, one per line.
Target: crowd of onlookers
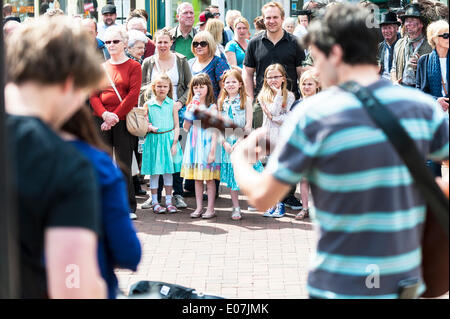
(80, 154)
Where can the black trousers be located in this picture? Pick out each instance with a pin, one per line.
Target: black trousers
(122, 144)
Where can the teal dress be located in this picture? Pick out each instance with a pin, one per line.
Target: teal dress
(157, 158)
(231, 109)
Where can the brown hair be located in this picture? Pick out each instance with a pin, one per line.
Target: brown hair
(51, 50)
(201, 79)
(242, 92)
(266, 94)
(258, 22)
(163, 32)
(138, 13)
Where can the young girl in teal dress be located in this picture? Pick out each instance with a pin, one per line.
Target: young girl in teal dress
(162, 153)
(201, 151)
(233, 105)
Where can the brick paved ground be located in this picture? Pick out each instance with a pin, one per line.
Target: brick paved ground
(255, 257)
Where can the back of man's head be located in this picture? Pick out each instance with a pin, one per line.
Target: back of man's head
(348, 26)
(49, 51)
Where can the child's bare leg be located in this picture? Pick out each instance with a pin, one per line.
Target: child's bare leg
(211, 191)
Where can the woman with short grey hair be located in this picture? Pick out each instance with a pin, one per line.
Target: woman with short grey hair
(136, 45)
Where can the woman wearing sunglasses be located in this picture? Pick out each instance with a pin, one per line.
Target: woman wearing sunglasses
(432, 76)
(111, 105)
(433, 68)
(205, 61)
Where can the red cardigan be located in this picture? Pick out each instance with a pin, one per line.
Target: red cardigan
(127, 77)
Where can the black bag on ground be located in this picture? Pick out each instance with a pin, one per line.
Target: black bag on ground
(162, 290)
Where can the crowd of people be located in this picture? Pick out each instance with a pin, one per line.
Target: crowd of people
(81, 148)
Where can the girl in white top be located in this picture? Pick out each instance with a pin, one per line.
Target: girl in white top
(276, 102)
(275, 99)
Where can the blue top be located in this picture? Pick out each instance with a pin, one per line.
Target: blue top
(366, 203)
(233, 46)
(119, 245)
(215, 69)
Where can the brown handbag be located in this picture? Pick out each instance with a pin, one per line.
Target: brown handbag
(435, 241)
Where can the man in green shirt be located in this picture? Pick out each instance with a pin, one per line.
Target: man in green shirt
(184, 32)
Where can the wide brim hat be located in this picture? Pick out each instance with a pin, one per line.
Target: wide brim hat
(389, 18)
(413, 11)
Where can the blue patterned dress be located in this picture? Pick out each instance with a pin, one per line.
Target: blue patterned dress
(195, 160)
(215, 69)
(231, 109)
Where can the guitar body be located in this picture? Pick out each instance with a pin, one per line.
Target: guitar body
(435, 255)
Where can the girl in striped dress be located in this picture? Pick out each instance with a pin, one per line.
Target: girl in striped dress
(201, 151)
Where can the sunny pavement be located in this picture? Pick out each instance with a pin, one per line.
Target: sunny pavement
(254, 258)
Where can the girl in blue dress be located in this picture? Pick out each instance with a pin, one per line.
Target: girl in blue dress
(233, 105)
(161, 152)
(201, 151)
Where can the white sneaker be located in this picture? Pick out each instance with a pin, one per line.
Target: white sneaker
(133, 216)
(179, 201)
(147, 204)
(252, 209)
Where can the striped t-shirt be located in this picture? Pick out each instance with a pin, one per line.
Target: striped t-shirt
(369, 213)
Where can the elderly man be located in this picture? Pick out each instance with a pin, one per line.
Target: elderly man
(140, 24)
(410, 48)
(109, 16)
(367, 205)
(184, 32)
(91, 27)
(389, 28)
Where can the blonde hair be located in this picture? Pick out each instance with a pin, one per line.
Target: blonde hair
(241, 20)
(205, 36)
(309, 74)
(215, 27)
(231, 16)
(150, 88)
(266, 94)
(242, 92)
(434, 29)
(273, 4)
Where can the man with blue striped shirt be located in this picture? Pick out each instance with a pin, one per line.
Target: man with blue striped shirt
(369, 213)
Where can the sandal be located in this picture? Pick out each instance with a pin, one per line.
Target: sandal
(171, 209)
(236, 215)
(208, 215)
(196, 214)
(304, 213)
(158, 209)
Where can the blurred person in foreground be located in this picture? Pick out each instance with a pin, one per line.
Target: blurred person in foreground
(366, 203)
(56, 190)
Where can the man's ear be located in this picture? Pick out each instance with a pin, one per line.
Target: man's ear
(68, 84)
(336, 55)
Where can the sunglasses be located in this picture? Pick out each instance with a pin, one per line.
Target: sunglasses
(113, 41)
(216, 14)
(203, 44)
(443, 35)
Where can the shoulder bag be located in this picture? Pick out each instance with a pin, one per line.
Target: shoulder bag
(435, 240)
(137, 118)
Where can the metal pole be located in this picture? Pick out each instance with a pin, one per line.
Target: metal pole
(9, 248)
